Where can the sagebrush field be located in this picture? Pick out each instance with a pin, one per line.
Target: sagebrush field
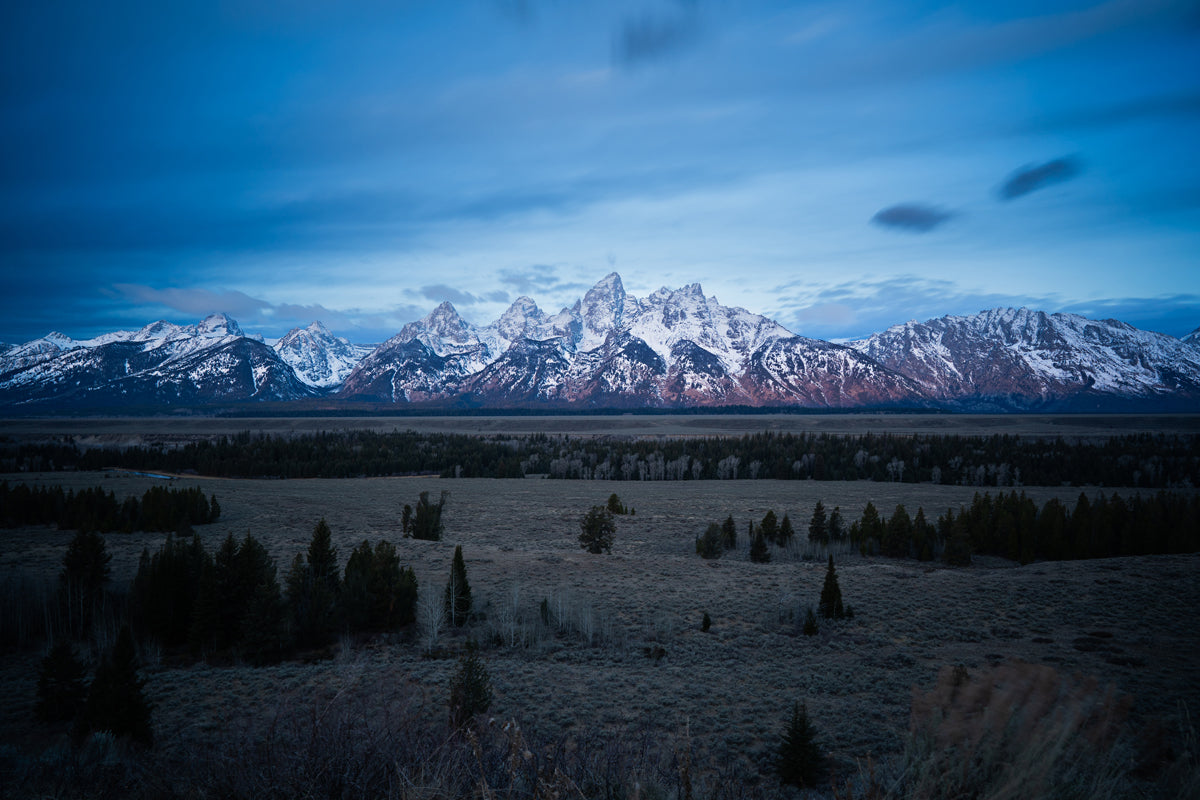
(624, 655)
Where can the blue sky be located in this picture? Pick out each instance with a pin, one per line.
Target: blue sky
(838, 166)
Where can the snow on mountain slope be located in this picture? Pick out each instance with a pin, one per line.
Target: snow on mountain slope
(1020, 358)
(160, 363)
(1193, 338)
(319, 358)
(673, 348)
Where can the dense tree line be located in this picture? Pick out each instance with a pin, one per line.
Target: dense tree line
(93, 509)
(1013, 526)
(231, 602)
(1141, 460)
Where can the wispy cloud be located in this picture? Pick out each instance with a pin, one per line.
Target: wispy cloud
(912, 217)
(540, 279)
(649, 36)
(1031, 178)
(260, 316)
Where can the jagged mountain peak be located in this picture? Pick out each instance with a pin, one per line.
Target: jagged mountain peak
(520, 320)
(318, 357)
(1019, 358)
(218, 325)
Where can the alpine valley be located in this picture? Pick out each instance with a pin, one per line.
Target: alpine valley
(675, 349)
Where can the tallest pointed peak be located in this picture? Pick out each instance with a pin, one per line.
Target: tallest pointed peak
(610, 281)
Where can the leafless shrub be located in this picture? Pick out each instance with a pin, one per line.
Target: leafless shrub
(1014, 731)
(431, 617)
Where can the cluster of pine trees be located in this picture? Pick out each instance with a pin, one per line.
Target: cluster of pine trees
(1013, 526)
(1140, 460)
(231, 603)
(94, 509)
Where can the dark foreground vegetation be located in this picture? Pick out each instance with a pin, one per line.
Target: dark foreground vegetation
(1142, 460)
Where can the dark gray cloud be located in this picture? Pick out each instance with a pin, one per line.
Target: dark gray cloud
(650, 37)
(912, 217)
(1031, 178)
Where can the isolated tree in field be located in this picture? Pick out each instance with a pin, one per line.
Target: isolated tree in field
(458, 591)
(470, 689)
(818, 526)
(709, 545)
(84, 574)
(615, 505)
(60, 689)
(406, 520)
(799, 762)
(810, 623)
(596, 530)
(729, 533)
(427, 518)
(760, 553)
(831, 606)
(769, 527)
(115, 701)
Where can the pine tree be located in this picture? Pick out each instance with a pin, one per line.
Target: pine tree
(596, 530)
(115, 702)
(770, 527)
(313, 590)
(922, 536)
(760, 553)
(830, 606)
(818, 526)
(427, 518)
(470, 689)
(898, 534)
(958, 540)
(837, 528)
(60, 690)
(264, 637)
(799, 761)
(84, 575)
(377, 595)
(709, 545)
(729, 533)
(786, 531)
(458, 591)
(810, 623)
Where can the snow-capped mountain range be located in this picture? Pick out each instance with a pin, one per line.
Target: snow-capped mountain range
(674, 348)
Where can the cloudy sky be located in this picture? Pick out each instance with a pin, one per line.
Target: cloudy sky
(840, 166)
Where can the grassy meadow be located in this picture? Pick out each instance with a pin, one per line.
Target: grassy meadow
(624, 657)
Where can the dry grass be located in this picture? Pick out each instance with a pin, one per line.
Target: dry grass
(1129, 622)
